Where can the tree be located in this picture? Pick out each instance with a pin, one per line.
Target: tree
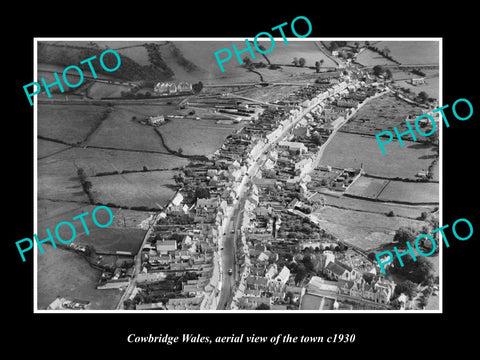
(180, 150)
(386, 51)
(301, 273)
(247, 61)
(317, 139)
(378, 70)
(404, 234)
(367, 43)
(202, 192)
(371, 257)
(423, 96)
(357, 44)
(391, 213)
(388, 74)
(368, 277)
(197, 87)
(317, 66)
(407, 287)
(333, 46)
(295, 61)
(302, 62)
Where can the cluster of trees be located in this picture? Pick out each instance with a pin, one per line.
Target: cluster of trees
(187, 64)
(380, 70)
(416, 271)
(86, 185)
(155, 58)
(197, 87)
(318, 64)
(248, 63)
(385, 52)
(299, 62)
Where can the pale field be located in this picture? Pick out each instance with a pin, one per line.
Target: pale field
(99, 90)
(411, 192)
(69, 123)
(367, 187)
(431, 87)
(135, 189)
(366, 230)
(352, 150)
(284, 53)
(412, 52)
(195, 137)
(371, 58)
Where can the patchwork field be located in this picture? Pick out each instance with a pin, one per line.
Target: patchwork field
(410, 192)
(100, 90)
(150, 189)
(195, 137)
(352, 150)
(69, 123)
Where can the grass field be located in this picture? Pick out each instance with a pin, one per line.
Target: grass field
(121, 132)
(352, 150)
(412, 52)
(95, 161)
(69, 123)
(371, 58)
(135, 189)
(366, 230)
(367, 187)
(411, 192)
(195, 137)
(46, 148)
(409, 211)
(66, 274)
(99, 90)
(284, 53)
(110, 240)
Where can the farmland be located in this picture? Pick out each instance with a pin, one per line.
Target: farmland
(363, 229)
(110, 240)
(64, 273)
(352, 150)
(367, 187)
(356, 204)
(412, 52)
(69, 123)
(410, 192)
(135, 189)
(46, 148)
(121, 132)
(195, 137)
(371, 58)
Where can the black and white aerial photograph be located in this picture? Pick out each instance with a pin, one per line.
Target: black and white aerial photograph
(231, 180)
(259, 187)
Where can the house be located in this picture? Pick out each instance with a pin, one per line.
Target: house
(184, 86)
(338, 270)
(164, 88)
(283, 275)
(271, 272)
(292, 146)
(164, 246)
(417, 81)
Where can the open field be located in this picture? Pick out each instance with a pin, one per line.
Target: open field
(110, 240)
(46, 148)
(135, 189)
(352, 150)
(100, 90)
(371, 58)
(431, 87)
(95, 161)
(121, 132)
(367, 187)
(366, 230)
(409, 211)
(195, 137)
(383, 114)
(284, 53)
(411, 192)
(64, 273)
(69, 123)
(58, 180)
(412, 52)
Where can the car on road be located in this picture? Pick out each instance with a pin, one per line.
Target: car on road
(230, 271)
